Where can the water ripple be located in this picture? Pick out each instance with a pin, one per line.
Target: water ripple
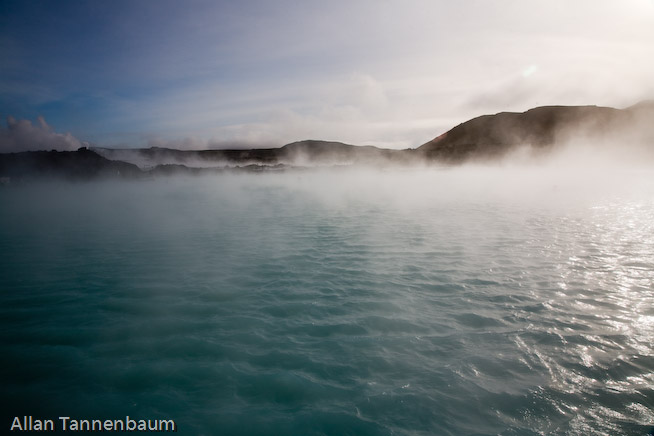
(272, 308)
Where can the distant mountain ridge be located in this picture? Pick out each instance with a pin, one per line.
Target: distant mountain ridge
(300, 153)
(493, 136)
(488, 137)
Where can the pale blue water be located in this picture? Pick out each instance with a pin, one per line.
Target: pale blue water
(469, 302)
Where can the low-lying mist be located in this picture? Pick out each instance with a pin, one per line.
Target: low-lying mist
(570, 175)
(512, 284)
(582, 154)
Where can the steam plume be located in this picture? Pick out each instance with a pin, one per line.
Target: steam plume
(23, 135)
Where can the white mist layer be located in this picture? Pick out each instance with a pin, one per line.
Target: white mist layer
(394, 298)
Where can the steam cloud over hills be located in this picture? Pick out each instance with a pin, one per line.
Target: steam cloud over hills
(538, 131)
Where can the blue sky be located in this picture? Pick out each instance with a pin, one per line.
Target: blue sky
(391, 73)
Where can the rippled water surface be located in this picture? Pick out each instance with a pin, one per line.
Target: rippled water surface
(467, 302)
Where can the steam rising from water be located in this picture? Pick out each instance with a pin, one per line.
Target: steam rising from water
(473, 300)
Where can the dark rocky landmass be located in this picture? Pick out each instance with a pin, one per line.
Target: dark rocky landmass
(542, 128)
(85, 164)
(487, 137)
(79, 165)
(301, 153)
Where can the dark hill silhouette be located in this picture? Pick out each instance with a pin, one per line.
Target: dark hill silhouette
(307, 152)
(493, 136)
(482, 138)
(82, 164)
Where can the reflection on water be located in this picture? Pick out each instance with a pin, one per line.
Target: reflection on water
(602, 319)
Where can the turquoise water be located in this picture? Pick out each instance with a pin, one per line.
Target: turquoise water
(468, 302)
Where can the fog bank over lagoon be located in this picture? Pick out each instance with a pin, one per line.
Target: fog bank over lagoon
(507, 299)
